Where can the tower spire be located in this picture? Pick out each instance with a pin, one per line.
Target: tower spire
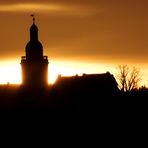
(33, 18)
(33, 30)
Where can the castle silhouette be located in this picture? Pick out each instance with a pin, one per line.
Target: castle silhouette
(68, 93)
(35, 69)
(35, 99)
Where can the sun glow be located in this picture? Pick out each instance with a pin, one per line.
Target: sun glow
(10, 71)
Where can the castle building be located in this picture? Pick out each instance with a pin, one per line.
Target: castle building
(34, 65)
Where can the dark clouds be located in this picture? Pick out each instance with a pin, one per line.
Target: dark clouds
(107, 29)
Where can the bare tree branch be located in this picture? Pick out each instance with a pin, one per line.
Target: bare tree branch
(128, 78)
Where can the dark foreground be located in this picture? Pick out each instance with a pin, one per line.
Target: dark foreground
(28, 103)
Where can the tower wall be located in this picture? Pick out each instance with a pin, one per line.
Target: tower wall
(34, 73)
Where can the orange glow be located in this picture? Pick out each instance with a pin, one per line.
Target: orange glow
(69, 68)
(30, 6)
(10, 71)
(76, 10)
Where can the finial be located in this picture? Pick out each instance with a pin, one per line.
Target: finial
(33, 17)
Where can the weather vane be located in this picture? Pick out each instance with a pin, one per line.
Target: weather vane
(33, 17)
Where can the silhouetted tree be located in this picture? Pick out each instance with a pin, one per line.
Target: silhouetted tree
(128, 78)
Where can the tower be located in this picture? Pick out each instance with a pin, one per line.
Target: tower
(34, 65)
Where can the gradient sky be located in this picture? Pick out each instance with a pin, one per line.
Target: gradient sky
(90, 33)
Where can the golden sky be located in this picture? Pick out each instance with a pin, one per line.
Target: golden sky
(90, 33)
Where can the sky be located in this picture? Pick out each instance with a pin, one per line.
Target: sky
(79, 36)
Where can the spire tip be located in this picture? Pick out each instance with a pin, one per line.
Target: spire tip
(33, 17)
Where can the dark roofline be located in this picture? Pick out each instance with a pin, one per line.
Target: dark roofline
(86, 75)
